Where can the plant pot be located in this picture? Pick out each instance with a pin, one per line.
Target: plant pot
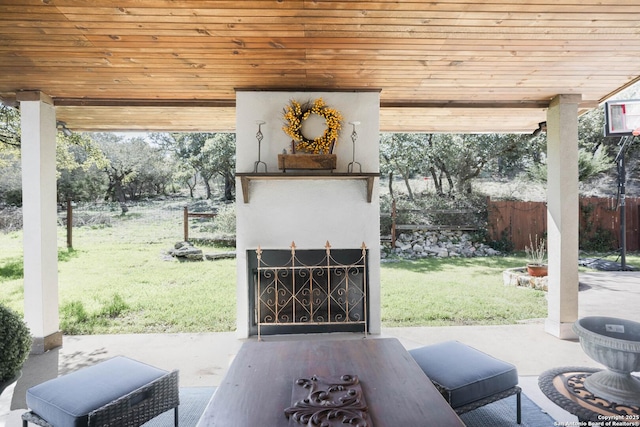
(5, 384)
(537, 270)
(6, 392)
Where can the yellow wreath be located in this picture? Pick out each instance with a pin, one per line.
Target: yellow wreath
(295, 114)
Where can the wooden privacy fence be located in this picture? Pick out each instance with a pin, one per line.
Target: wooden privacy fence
(515, 221)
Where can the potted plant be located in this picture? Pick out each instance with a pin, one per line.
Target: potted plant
(536, 251)
(15, 345)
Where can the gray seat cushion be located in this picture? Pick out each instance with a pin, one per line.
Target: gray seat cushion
(465, 373)
(66, 401)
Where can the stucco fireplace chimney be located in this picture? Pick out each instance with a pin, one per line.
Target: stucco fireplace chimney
(310, 208)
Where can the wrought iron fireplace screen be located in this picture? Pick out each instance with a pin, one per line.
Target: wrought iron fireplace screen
(311, 290)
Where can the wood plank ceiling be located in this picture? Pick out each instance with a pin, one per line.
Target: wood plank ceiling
(440, 66)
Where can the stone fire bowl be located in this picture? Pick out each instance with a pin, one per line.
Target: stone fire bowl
(615, 343)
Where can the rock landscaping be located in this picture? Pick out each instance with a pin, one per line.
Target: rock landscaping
(519, 277)
(441, 243)
(185, 251)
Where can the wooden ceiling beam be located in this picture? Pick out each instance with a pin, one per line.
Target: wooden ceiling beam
(120, 102)
(399, 104)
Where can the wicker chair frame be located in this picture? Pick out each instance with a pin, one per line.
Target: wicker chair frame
(482, 402)
(132, 409)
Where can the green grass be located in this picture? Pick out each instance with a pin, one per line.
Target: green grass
(118, 279)
(459, 291)
(127, 288)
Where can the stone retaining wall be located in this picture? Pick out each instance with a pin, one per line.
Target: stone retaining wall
(519, 277)
(441, 243)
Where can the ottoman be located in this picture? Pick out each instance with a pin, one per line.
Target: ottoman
(466, 377)
(117, 392)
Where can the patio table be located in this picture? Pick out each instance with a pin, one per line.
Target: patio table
(260, 383)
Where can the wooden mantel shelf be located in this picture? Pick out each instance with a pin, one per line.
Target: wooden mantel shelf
(246, 177)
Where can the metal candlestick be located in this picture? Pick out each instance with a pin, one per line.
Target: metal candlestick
(259, 137)
(354, 137)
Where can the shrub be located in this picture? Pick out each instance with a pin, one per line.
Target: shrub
(225, 221)
(594, 238)
(15, 343)
(600, 240)
(10, 219)
(504, 244)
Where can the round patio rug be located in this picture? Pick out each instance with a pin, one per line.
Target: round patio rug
(565, 387)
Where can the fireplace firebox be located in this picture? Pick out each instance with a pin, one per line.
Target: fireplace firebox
(308, 291)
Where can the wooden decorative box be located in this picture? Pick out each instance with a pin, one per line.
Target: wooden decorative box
(307, 161)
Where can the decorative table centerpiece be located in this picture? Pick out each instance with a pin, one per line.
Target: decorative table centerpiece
(308, 153)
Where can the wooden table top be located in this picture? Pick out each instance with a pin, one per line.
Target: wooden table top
(258, 386)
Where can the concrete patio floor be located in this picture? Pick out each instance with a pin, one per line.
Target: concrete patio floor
(203, 358)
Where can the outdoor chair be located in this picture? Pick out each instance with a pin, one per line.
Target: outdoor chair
(117, 392)
(468, 378)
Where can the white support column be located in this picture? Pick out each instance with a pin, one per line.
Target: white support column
(38, 127)
(562, 215)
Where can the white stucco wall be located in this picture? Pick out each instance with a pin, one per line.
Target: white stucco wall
(309, 212)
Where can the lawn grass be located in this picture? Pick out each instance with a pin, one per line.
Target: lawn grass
(461, 291)
(118, 279)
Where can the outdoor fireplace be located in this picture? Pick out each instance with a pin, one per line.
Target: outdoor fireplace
(302, 291)
(311, 287)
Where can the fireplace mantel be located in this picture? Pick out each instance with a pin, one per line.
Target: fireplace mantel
(246, 177)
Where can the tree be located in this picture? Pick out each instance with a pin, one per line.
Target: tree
(439, 149)
(472, 154)
(75, 152)
(9, 128)
(132, 165)
(11, 182)
(594, 150)
(603, 149)
(590, 165)
(65, 154)
(186, 176)
(189, 148)
(207, 154)
(401, 152)
(452, 160)
(221, 151)
(85, 182)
